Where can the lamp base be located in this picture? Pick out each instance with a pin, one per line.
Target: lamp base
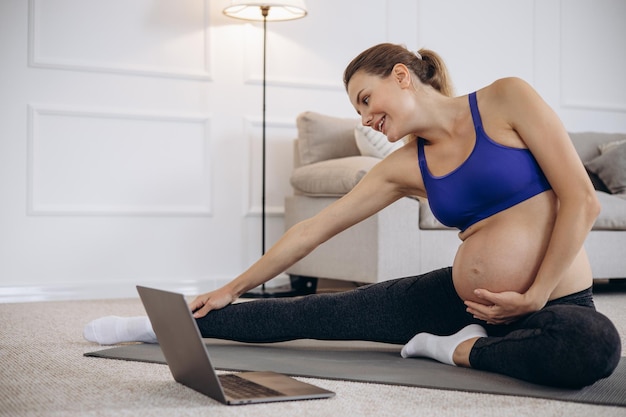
(299, 285)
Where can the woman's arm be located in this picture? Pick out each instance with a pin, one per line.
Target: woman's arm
(374, 192)
(544, 134)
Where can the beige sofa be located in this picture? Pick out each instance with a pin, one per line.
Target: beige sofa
(405, 239)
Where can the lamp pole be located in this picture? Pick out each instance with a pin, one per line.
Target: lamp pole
(264, 11)
(281, 10)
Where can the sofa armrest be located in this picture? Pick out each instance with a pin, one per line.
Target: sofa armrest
(331, 178)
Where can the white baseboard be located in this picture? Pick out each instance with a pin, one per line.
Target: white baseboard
(92, 291)
(107, 290)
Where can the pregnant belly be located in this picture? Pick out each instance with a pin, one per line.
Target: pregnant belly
(499, 259)
(504, 252)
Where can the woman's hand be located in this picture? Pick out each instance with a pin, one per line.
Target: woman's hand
(503, 307)
(213, 300)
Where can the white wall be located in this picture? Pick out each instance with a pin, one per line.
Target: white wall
(130, 130)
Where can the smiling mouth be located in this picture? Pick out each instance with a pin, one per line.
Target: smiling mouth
(380, 124)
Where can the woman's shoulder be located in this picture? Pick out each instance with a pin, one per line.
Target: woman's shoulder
(507, 97)
(506, 88)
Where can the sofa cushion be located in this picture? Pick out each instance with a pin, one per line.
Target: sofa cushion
(612, 216)
(373, 143)
(322, 137)
(332, 178)
(610, 167)
(428, 221)
(613, 213)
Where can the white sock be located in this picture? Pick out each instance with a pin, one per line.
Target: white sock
(111, 330)
(440, 348)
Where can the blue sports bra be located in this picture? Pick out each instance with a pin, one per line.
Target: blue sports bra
(493, 178)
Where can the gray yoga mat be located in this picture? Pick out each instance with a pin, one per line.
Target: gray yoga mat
(375, 363)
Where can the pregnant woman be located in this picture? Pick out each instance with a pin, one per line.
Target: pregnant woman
(498, 165)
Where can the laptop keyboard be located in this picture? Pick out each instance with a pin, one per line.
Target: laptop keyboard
(236, 387)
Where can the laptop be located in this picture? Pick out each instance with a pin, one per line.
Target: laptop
(188, 359)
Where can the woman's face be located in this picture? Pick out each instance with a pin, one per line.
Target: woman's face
(379, 102)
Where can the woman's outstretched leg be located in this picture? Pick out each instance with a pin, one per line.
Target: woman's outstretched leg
(390, 311)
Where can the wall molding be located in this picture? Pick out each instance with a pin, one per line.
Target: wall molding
(253, 208)
(596, 106)
(253, 70)
(573, 103)
(37, 60)
(36, 111)
(252, 79)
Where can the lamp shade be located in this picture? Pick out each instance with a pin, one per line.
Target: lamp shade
(276, 10)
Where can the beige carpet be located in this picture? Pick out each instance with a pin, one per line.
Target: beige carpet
(43, 373)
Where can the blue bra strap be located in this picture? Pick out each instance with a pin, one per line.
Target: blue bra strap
(420, 149)
(478, 123)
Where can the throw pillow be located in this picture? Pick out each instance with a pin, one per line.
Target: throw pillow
(322, 137)
(605, 147)
(598, 185)
(373, 143)
(610, 166)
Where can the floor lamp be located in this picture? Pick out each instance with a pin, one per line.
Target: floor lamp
(259, 10)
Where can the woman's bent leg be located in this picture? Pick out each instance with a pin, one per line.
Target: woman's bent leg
(391, 311)
(561, 345)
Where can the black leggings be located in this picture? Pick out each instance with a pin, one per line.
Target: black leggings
(567, 343)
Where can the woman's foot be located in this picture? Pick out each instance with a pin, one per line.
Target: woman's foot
(441, 348)
(111, 330)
